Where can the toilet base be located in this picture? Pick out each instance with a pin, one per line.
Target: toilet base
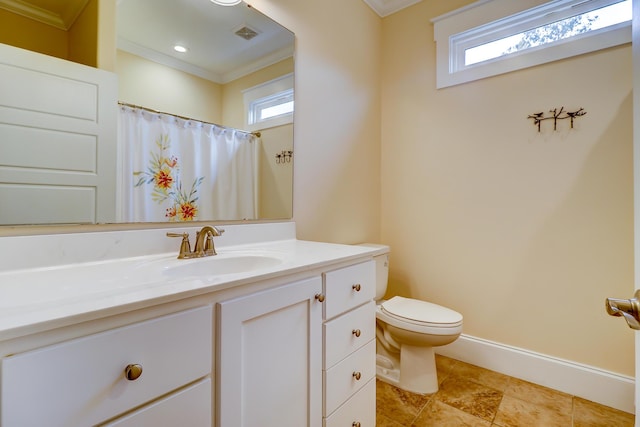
(414, 372)
(418, 369)
(387, 371)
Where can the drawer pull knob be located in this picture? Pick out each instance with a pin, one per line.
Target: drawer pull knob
(356, 287)
(356, 332)
(355, 424)
(320, 297)
(357, 375)
(132, 372)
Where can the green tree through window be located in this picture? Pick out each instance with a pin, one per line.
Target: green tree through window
(553, 32)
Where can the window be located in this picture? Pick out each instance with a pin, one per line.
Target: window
(491, 37)
(270, 107)
(269, 104)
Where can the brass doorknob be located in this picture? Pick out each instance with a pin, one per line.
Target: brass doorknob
(356, 332)
(627, 308)
(357, 375)
(320, 297)
(355, 424)
(356, 287)
(133, 371)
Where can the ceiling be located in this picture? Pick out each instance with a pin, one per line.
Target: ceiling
(150, 29)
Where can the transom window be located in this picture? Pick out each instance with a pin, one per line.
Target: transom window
(488, 38)
(269, 104)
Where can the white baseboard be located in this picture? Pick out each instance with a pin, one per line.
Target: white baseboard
(596, 385)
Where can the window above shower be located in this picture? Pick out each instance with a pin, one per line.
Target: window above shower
(269, 104)
(492, 37)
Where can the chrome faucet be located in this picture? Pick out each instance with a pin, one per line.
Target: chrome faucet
(204, 242)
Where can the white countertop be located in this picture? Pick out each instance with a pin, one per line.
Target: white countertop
(36, 298)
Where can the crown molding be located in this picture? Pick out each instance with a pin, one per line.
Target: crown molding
(62, 19)
(387, 7)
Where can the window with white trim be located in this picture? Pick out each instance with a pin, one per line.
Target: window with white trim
(269, 104)
(492, 37)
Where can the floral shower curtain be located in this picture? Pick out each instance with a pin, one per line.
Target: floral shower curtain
(182, 170)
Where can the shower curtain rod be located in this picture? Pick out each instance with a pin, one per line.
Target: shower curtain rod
(151, 110)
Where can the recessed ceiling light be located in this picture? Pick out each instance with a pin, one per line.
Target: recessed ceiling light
(180, 48)
(227, 2)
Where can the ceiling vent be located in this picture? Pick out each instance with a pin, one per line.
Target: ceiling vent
(246, 33)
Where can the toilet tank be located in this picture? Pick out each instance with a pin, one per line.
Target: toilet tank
(382, 268)
(382, 275)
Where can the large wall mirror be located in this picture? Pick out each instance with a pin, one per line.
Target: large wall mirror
(235, 72)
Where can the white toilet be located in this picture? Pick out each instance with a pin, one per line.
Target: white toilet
(407, 331)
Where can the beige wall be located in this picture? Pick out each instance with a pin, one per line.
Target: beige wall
(337, 119)
(26, 33)
(83, 36)
(78, 44)
(181, 93)
(276, 179)
(524, 233)
(106, 35)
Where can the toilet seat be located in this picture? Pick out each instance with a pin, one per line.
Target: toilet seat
(419, 316)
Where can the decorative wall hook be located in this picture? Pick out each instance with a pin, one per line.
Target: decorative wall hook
(555, 116)
(284, 156)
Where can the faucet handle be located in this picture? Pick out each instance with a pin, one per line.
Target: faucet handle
(218, 230)
(185, 246)
(209, 248)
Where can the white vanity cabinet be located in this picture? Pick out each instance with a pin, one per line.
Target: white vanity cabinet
(349, 363)
(84, 382)
(270, 359)
(291, 345)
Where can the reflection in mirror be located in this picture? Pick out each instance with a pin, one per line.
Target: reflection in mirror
(206, 62)
(232, 72)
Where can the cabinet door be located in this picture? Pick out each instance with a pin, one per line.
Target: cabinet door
(270, 358)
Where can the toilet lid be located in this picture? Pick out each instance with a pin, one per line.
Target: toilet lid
(417, 311)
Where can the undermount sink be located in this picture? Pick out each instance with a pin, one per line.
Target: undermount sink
(228, 263)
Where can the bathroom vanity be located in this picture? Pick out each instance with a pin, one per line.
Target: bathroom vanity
(118, 332)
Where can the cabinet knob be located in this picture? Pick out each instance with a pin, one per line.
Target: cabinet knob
(357, 375)
(355, 424)
(356, 287)
(356, 332)
(133, 371)
(320, 297)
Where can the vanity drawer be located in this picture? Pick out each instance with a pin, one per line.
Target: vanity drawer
(345, 334)
(340, 382)
(349, 287)
(82, 382)
(188, 407)
(360, 408)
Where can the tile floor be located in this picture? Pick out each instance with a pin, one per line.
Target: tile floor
(473, 396)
